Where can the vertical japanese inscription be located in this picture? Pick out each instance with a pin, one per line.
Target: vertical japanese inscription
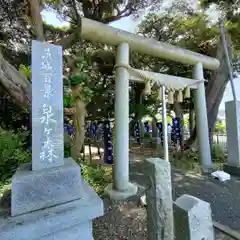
(47, 106)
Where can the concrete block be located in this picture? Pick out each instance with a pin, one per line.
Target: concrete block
(72, 220)
(192, 219)
(81, 231)
(121, 195)
(35, 190)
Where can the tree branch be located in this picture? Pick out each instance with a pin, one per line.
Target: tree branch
(15, 83)
(127, 11)
(68, 41)
(78, 18)
(37, 19)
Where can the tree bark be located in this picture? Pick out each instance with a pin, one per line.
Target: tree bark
(178, 111)
(36, 17)
(138, 88)
(154, 127)
(79, 123)
(215, 89)
(15, 83)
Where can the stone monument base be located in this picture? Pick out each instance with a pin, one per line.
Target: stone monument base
(121, 195)
(35, 190)
(72, 220)
(234, 170)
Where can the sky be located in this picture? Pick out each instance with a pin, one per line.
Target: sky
(130, 25)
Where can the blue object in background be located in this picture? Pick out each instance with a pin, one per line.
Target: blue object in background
(87, 129)
(137, 133)
(146, 127)
(94, 128)
(160, 127)
(176, 131)
(69, 129)
(101, 130)
(108, 146)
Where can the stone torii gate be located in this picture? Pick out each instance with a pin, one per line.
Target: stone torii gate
(98, 32)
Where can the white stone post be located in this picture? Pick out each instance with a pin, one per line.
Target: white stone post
(202, 120)
(121, 188)
(232, 113)
(159, 199)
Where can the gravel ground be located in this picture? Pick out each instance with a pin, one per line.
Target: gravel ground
(127, 219)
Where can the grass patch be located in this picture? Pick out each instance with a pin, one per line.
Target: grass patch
(189, 161)
(12, 154)
(97, 176)
(186, 161)
(4, 186)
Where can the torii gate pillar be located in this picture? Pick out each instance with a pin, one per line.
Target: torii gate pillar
(121, 188)
(202, 120)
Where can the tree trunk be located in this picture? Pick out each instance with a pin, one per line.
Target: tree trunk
(214, 93)
(15, 83)
(36, 18)
(178, 112)
(215, 90)
(138, 88)
(154, 127)
(79, 122)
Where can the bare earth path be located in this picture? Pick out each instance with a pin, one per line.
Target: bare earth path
(127, 219)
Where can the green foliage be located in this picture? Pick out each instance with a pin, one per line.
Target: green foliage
(189, 29)
(185, 29)
(139, 109)
(186, 122)
(228, 8)
(147, 135)
(56, 2)
(218, 153)
(220, 127)
(87, 94)
(77, 79)
(186, 161)
(189, 160)
(13, 116)
(67, 150)
(67, 101)
(98, 177)
(81, 75)
(26, 71)
(12, 153)
(169, 120)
